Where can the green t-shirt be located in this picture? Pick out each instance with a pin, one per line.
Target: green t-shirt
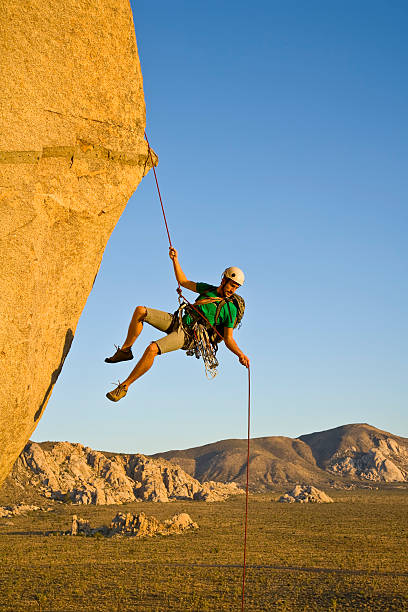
(228, 312)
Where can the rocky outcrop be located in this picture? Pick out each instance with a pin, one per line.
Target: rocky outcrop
(77, 474)
(212, 491)
(141, 525)
(374, 465)
(71, 154)
(20, 509)
(304, 494)
(361, 452)
(134, 525)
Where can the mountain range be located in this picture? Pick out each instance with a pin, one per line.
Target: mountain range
(349, 455)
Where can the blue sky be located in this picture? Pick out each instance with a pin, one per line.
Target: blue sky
(281, 130)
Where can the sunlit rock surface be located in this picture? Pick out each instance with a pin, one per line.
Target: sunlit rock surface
(305, 494)
(77, 474)
(134, 525)
(71, 155)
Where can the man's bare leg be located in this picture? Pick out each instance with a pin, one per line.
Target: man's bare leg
(143, 365)
(135, 327)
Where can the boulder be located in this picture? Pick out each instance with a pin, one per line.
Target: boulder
(304, 494)
(80, 526)
(135, 525)
(212, 491)
(179, 523)
(20, 509)
(72, 153)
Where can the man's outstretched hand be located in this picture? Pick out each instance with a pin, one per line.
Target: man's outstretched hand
(173, 253)
(244, 360)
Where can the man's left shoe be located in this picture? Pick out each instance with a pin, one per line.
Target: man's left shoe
(120, 355)
(117, 393)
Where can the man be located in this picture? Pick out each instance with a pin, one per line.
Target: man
(176, 335)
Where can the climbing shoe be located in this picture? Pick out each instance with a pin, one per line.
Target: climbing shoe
(117, 393)
(120, 355)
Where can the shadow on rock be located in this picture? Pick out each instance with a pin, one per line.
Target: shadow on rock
(69, 336)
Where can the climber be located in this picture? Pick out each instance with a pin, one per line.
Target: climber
(178, 325)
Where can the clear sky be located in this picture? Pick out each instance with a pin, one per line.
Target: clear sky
(281, 130)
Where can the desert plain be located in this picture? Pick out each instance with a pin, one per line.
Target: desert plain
(348, 555)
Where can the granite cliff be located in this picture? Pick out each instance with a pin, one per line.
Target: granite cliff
(71, 154)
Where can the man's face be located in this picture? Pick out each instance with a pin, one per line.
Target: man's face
(229, 287)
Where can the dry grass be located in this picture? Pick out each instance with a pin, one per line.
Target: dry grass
(362, 532)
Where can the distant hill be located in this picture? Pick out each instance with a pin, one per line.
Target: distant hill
(350, 453)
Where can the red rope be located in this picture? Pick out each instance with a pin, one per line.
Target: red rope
(246, 492)
(202, 315)
(158, 190)
(249, 386)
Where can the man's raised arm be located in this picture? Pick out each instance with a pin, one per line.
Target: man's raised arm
(180, 276)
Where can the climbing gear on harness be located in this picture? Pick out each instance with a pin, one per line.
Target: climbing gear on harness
(202, 347)
(117, 393)
(235, 274)
(120, 355)
(198, 343)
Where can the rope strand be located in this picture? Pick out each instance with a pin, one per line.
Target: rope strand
(246, 492)
(179, 291)
(158, 190)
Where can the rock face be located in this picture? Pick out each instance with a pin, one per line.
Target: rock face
(135, 525)
(71, 155)
(80, 475)
(303, 494)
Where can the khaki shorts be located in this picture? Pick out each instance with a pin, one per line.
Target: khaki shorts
(162, 320)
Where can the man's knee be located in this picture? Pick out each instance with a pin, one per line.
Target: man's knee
(153, 350)
(140, 312)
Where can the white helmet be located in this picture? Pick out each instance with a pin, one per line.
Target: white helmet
(235, 274)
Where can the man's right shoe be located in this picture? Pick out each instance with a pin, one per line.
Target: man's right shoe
(117, 393)
(120, 355)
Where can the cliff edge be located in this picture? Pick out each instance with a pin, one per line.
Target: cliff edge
(71, 154)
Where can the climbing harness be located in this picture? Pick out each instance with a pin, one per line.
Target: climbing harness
(206, 325)
(202, 337)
